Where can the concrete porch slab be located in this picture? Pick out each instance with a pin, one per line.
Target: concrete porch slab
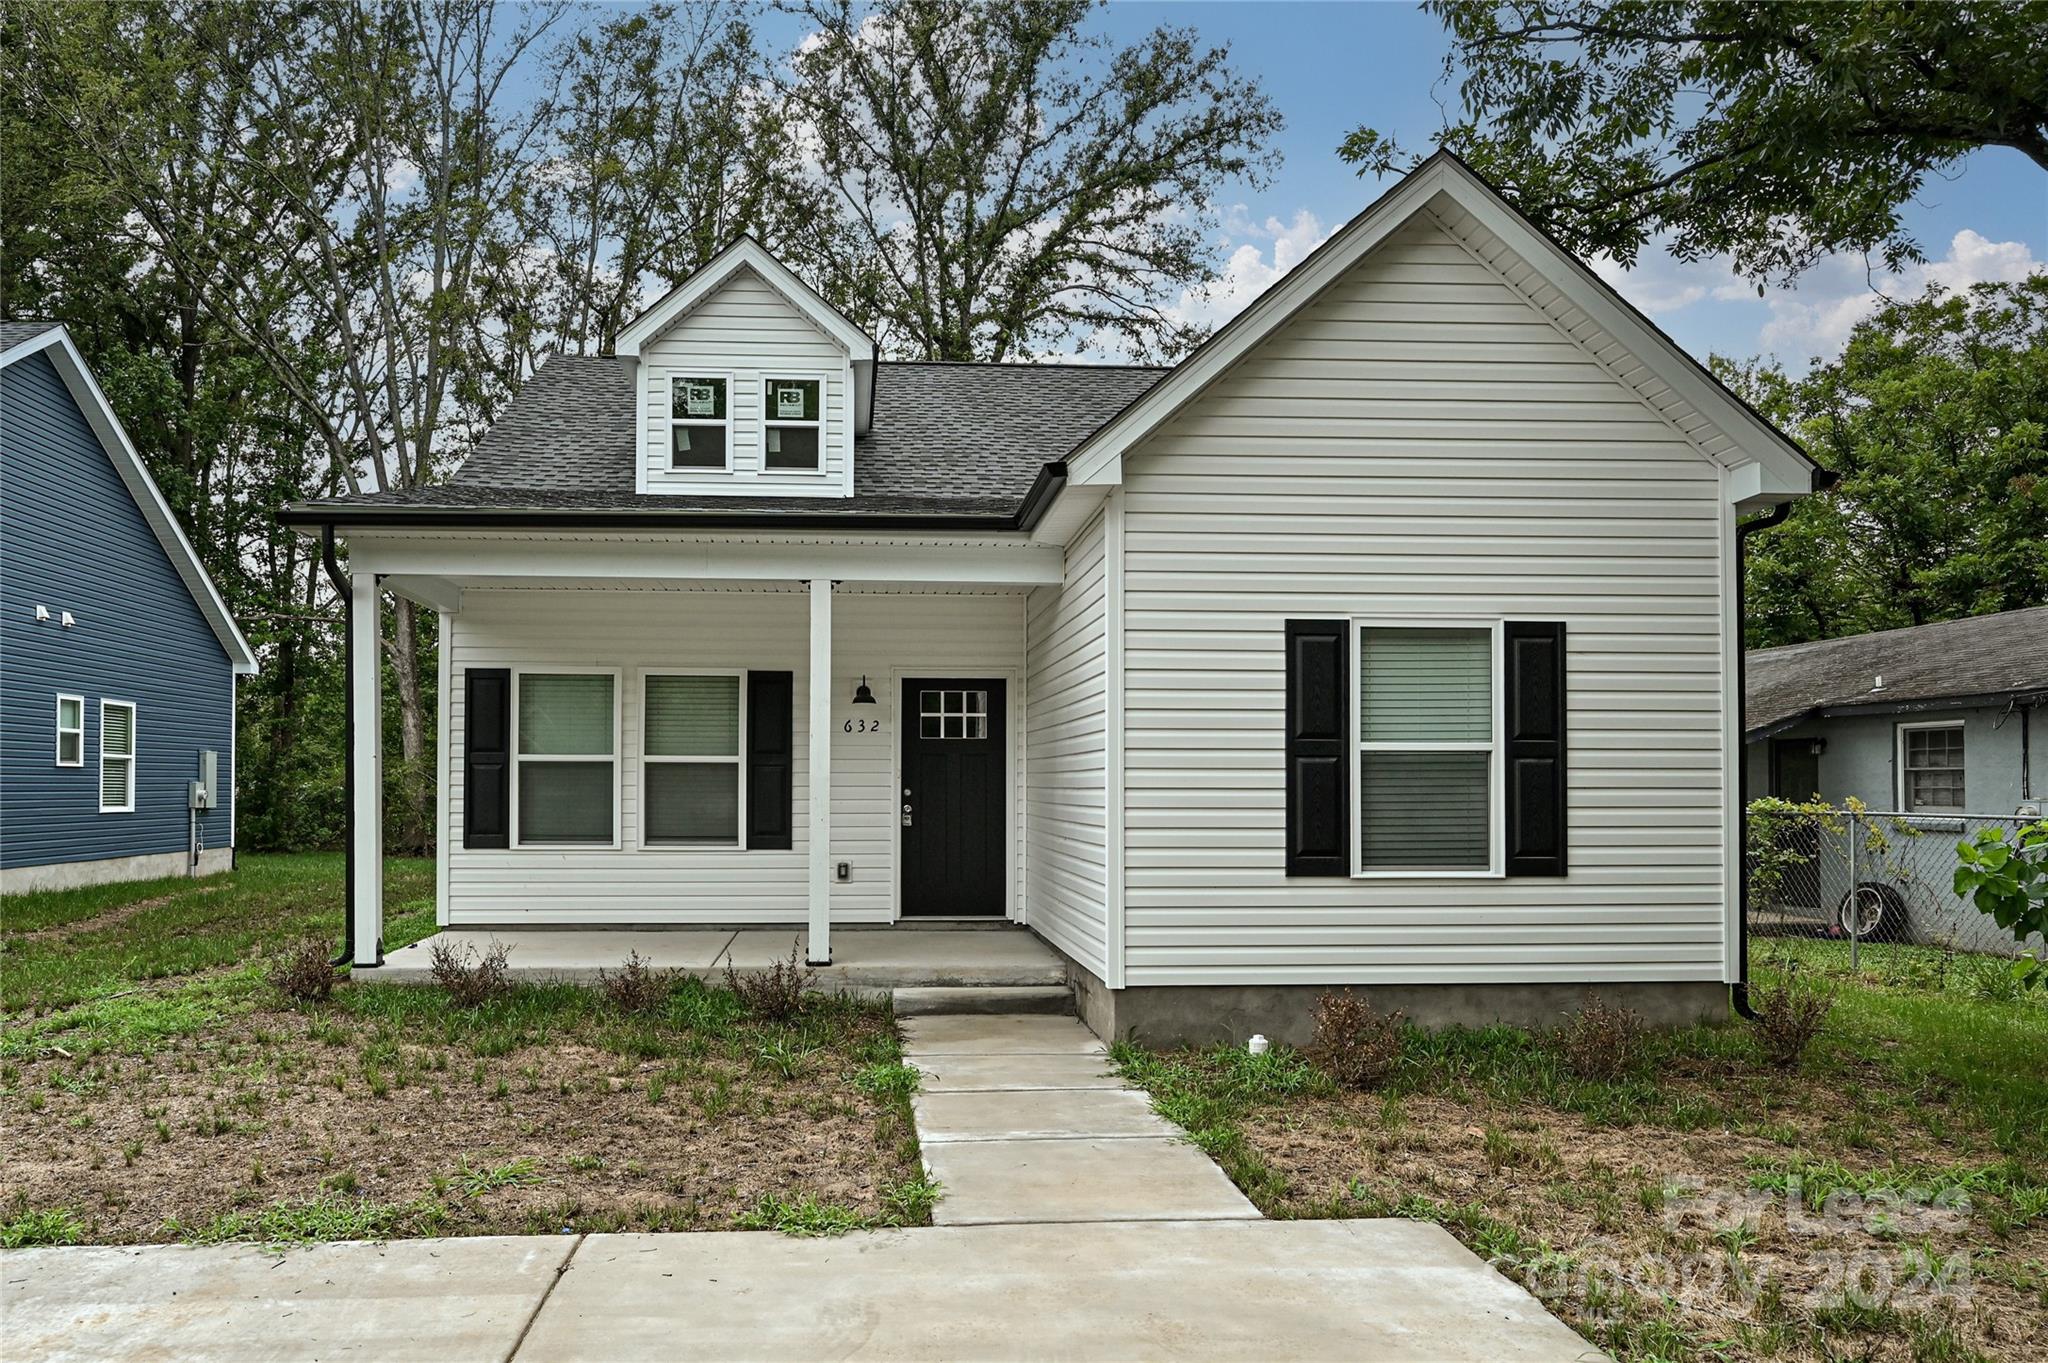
(1015, 1114)
(1026, 1181)
(863, 959)
(1315, 1291)
(976, 1073)
(439, 1299)
(971, 1034)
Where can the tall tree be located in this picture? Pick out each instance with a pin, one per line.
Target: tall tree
(1775, 133)
(1012, 183)
(1936, 417)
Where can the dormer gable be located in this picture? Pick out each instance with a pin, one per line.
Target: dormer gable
(747, 383)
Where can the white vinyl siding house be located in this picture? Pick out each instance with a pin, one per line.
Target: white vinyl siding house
(1388, 640)
(1422, 444)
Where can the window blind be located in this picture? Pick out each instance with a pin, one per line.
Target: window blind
(565, 714)
(1424, 811)
(693, 716)
(1425, 686)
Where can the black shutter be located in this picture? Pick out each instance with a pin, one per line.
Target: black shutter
(1534, 661)
(771, 746)
(1318, 765)
(486, 755)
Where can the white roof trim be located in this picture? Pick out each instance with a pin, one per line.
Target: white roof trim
(747, 254)
(1773, 468)
(85, 391)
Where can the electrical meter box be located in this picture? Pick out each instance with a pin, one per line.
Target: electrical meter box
(206, 790)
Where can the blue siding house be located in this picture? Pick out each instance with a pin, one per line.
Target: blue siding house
(118, 657)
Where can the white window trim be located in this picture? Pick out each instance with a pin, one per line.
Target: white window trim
(668, 400)
(824, 383)
(1902, 787)
(132, 756)
(739, 759)
(63, 696)
(1496, 866)
(617, 756)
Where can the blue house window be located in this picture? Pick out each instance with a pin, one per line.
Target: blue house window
(71, 731)
(117, 757)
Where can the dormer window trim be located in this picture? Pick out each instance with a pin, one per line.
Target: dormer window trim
(771, 422)
(671, 379)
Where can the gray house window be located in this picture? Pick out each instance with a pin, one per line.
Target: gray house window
(1931, 768)
(1426, 748)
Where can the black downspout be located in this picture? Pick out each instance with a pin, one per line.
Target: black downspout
(1743, 530)
(346, 588)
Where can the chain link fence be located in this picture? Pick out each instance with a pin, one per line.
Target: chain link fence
(1804, 861)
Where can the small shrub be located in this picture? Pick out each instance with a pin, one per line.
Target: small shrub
(1790, 1012)
(1355, 1043)
(638, 988)
(302, 972)
(470, 979)
(1601, 1041)
(777, 993)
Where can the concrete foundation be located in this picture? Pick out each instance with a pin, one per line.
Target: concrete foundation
(1195, 1015)
(70, 875)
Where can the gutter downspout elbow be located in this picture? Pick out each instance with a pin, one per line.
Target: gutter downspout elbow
(1739, 995)
(341, 584)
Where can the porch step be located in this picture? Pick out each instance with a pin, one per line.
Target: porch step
(928, 1000)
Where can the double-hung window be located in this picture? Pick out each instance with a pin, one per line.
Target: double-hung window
(700, 421)
(117, 757)
(71, 731)
(1931, 768)
(691, 772)
(1428, 750)
(793, 424)
(565, 769)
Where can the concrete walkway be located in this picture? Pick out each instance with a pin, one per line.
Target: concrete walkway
(1022, 1122)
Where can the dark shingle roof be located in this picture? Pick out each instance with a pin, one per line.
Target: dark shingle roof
(1985, 655)
(13, 334)
(965, 439)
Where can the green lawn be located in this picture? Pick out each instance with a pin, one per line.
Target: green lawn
(1704, 1205)
(61, 947)
(155, 1085)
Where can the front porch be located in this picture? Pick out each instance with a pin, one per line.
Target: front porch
(863, 958)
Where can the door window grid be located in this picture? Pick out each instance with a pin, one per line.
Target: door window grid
(952, 714)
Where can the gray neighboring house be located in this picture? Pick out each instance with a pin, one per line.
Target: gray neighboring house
(1934, 719)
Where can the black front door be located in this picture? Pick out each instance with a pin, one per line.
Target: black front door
(952, 805)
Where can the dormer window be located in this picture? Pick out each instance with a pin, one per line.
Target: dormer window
(793, 418)
(700, 423)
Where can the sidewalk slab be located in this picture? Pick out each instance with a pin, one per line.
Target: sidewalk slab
(446, 1300)
(1013, 1114)
(966, 1073)
(972, 1034)
(1201, 1292)
(1132, 1179)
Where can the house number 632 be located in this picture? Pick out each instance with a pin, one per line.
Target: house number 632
(861, 726)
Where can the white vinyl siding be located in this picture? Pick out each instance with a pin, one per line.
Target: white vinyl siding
(648, 632)
(749, 333)
(117, 757)
(1422, 442)
(1067, 747)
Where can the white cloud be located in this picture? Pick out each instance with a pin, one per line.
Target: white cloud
(1259, 254)
(1815, 319)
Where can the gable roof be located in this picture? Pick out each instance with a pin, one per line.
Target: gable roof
(18, 341)
(955, 440)
(1581, 304)
(749, 255)
(1985, 659)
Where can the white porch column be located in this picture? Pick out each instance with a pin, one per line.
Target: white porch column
(365, 683)
(819, 785)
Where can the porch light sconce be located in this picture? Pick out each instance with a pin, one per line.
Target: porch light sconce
(861, 694)
(1818, 746)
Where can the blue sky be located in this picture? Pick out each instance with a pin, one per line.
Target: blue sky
(1332, 66)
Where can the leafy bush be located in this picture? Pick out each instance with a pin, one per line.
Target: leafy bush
(1790, 1012)
(470, 979)
(302, 972)
(1355, 1043)
(2008, 882)
(1601, 1041)
(777, 993)
(638, 987)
